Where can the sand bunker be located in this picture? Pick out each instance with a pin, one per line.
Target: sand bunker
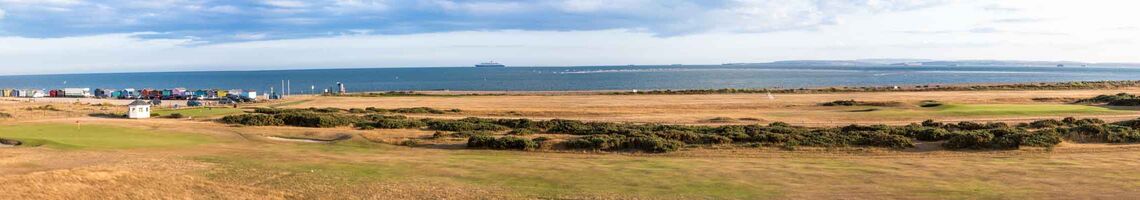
(9, 142)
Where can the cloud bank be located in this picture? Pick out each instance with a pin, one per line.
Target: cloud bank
(225, 20)
(85, 36)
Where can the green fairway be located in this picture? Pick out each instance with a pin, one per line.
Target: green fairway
(1021, 109)
(291, 103)
(69, 136)
(199, 112)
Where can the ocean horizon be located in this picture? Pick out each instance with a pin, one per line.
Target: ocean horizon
(554, 78)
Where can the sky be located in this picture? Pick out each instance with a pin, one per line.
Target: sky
(99, 36)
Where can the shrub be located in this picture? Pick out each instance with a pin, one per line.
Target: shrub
(391, 124)
(933, 134)
(651, 144)
(452, 125)
(252, 120)
(508, 142)
(595, 142)
(572, 127)
(1087, 133)
(5, 115)
(317, 120)
(969, 140)
(522, 131)
(969, 126)
(1048, 123)
(326, 110)
(410, 143)
(931, 123)
(881, 139)
(712, 139)
(779, 124)
(1042, 138)
(155, 115)
(1135, 123)
(841, 103)
(540, 140)
(415, 110)
(520, 123)
(1120, 99)
(176, 116)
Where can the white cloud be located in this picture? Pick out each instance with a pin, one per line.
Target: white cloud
(250, 36)
(42, 2)
(286, 3)
(488, 8)
(2, 14)
(224, 9)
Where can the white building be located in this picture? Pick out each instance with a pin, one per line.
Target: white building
(139, 109)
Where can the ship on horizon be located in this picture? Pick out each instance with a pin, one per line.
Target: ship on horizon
(490, 64)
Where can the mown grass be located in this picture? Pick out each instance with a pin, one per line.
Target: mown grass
(71, 136)
(973, 110)
(291, 103)
(1020, 109)
(521, 173)
(199, 112)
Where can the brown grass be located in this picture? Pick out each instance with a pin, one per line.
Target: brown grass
(243, 164)
(697, 109)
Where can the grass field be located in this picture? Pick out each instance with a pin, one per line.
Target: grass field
(70, 136)
(313, 173)
(200, 112)
(110, 158)
(1022, 109)
(793, 108)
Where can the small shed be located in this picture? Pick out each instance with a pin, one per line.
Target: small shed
(139, 109)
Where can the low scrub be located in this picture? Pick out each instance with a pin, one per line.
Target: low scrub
(508, 142)
(1120, 99)
(622, 143)
(452, 125)
(252, 120)
(301, 119)
(658, 138)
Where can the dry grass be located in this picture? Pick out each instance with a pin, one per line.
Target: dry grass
(697, 109)
(241, 163)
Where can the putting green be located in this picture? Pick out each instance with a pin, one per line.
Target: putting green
(70, 136)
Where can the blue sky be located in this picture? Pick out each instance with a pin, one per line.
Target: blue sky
(66, 36)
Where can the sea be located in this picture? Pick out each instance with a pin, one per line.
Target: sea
(575, 78)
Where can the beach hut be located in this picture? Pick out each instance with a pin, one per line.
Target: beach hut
(76, 92)
(154, 94)
(138, 109)
(33, 93)
(250, 94)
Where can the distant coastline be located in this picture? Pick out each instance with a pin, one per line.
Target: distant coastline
(1079, 85)
(600, 78)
